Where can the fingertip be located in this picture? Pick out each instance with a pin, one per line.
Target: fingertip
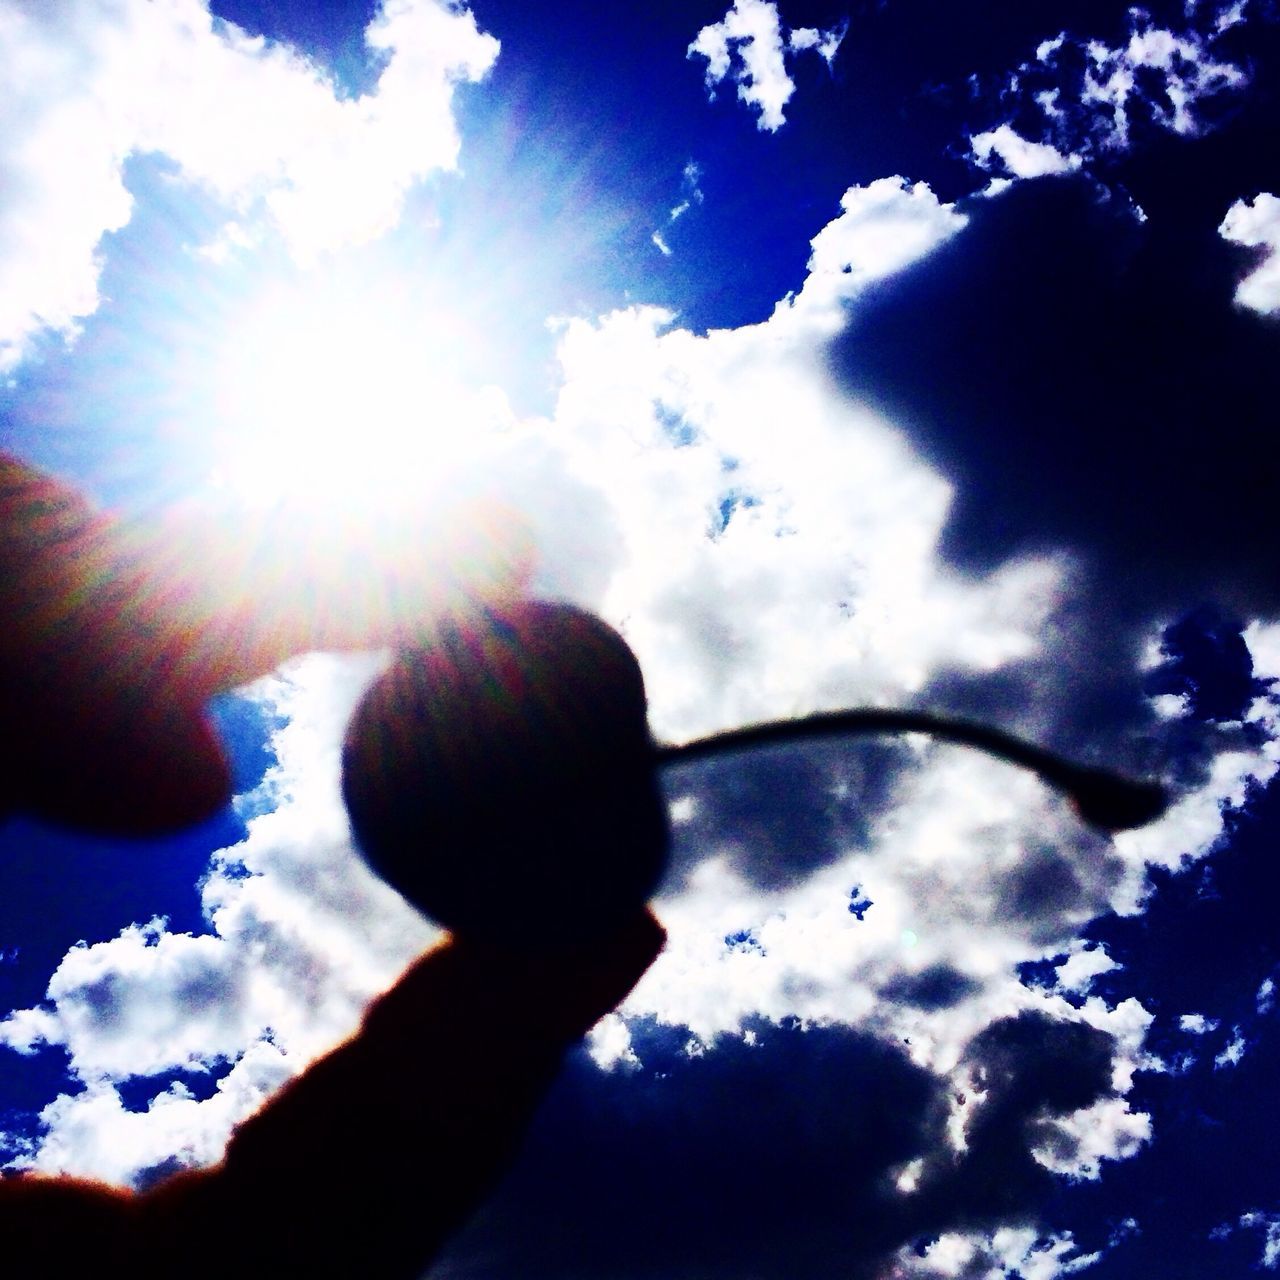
(155, 776)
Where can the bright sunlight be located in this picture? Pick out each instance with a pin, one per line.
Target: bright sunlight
(338, 394)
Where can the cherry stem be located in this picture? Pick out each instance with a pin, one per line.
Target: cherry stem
(1103, 799)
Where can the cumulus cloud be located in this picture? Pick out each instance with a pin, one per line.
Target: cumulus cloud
(1082, 965)
(898, 908)
(141, 1003)
(751, 44)
(1078, 1143)
(1181, 64)
(1009, 1251)
(1233, 1052)
(254, 124)
(1256, 225)
(795, 1191)
(93, 1133)
(883, 227)
(1269, 1225)
(1197, 1024)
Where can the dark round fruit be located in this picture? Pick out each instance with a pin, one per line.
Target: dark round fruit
(502, 777)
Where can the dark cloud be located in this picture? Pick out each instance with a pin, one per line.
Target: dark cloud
(1046, 887)
(1031, 1067)
(780, 813)
(773, 1158)
(1075, 364)
(719, 1164)
(1084, 379)
(937, 987)
(1207, 663)
(1089, 701)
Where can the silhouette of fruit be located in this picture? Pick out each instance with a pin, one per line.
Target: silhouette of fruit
(503, 779)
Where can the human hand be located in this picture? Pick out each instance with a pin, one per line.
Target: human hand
(118, 632)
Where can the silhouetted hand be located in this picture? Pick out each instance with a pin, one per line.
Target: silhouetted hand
(116, 634)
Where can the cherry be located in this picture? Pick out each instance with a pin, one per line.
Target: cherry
(502, 777)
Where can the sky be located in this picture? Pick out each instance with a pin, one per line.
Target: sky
(897, 353)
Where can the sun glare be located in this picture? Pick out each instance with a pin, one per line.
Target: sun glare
(344, 396)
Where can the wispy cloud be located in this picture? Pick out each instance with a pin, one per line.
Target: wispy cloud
(1078, 99)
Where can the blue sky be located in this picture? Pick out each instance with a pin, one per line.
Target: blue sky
(898, 353)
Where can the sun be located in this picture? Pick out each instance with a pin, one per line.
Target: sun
(358, 483)
(341, 394)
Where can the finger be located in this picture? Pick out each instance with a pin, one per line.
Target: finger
(559, 992)
(102, 732)
(119, 632)
(94, 762)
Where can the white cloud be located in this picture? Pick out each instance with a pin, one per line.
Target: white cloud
(1088, 93)
(1021, 157)
(1008, 1251)
(827, 43)
(88, 85)
(1193, 826)
(1269, 1225)
(1083, 963)
(751, 43)
(610, 1043)
(828, 591)
(1256, 224)
(1265, 998)
(143, 1002)
(1081, 1141)
(1197, 1024)
(883, 227)
(1263, 639)
(1231, 1054)
(302, 936)
(691, 196)
(92, 1134)
(1184, 63)
(1046, 49)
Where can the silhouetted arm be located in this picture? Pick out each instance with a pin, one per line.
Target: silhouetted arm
(370, 1159)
